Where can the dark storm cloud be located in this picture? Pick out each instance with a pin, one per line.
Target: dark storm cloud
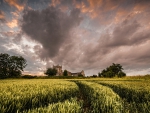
(126, 34)
(133, 57)
(50, 27)
(141, 2)
(128, 44)
(111, 32)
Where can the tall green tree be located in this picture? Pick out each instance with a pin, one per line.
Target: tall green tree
(112, 71)
(4, 65)
(17, 64)
(99, 74)
(51, 72)
(11, 66)
(65, 73)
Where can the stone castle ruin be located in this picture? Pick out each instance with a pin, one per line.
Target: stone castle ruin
(60, 71)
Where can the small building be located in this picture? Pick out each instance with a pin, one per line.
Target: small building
(69, 73)
(78, 74)
(59, 70)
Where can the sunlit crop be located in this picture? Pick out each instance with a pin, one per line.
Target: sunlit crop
(20, 95)
(74, 96)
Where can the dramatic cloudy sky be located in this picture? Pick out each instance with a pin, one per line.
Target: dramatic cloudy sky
(80, 35)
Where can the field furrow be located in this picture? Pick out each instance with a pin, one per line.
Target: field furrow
(74, 96)
(136, 95)
(72, 105)
(101, 98)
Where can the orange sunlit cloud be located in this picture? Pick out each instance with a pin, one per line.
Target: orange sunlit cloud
(54, 3)
(95, 3)
(63, 8)
(141, 7)
(121, 14)
(87, 10)
(2, 16)
(96, 8)
(15, 14)
(13, 23)
(143, 11)
(16, 4)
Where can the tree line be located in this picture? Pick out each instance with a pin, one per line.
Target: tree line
(12, 66)
(53, 72)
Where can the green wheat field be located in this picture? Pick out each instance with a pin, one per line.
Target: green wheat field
(94, 95)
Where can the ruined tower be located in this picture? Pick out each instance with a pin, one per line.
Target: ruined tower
(59, 70)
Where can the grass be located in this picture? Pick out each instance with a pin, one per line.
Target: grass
(75, 95)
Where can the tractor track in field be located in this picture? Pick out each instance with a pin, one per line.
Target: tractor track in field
(86, 103)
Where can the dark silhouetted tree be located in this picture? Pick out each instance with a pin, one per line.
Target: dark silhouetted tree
(121, 74)
(94, 76)
(99, 74)
(112, 71)
(11, 66)
(65, 73)
(51, 72)
(4, 65)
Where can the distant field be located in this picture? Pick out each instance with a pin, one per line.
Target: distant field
(94, 95)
